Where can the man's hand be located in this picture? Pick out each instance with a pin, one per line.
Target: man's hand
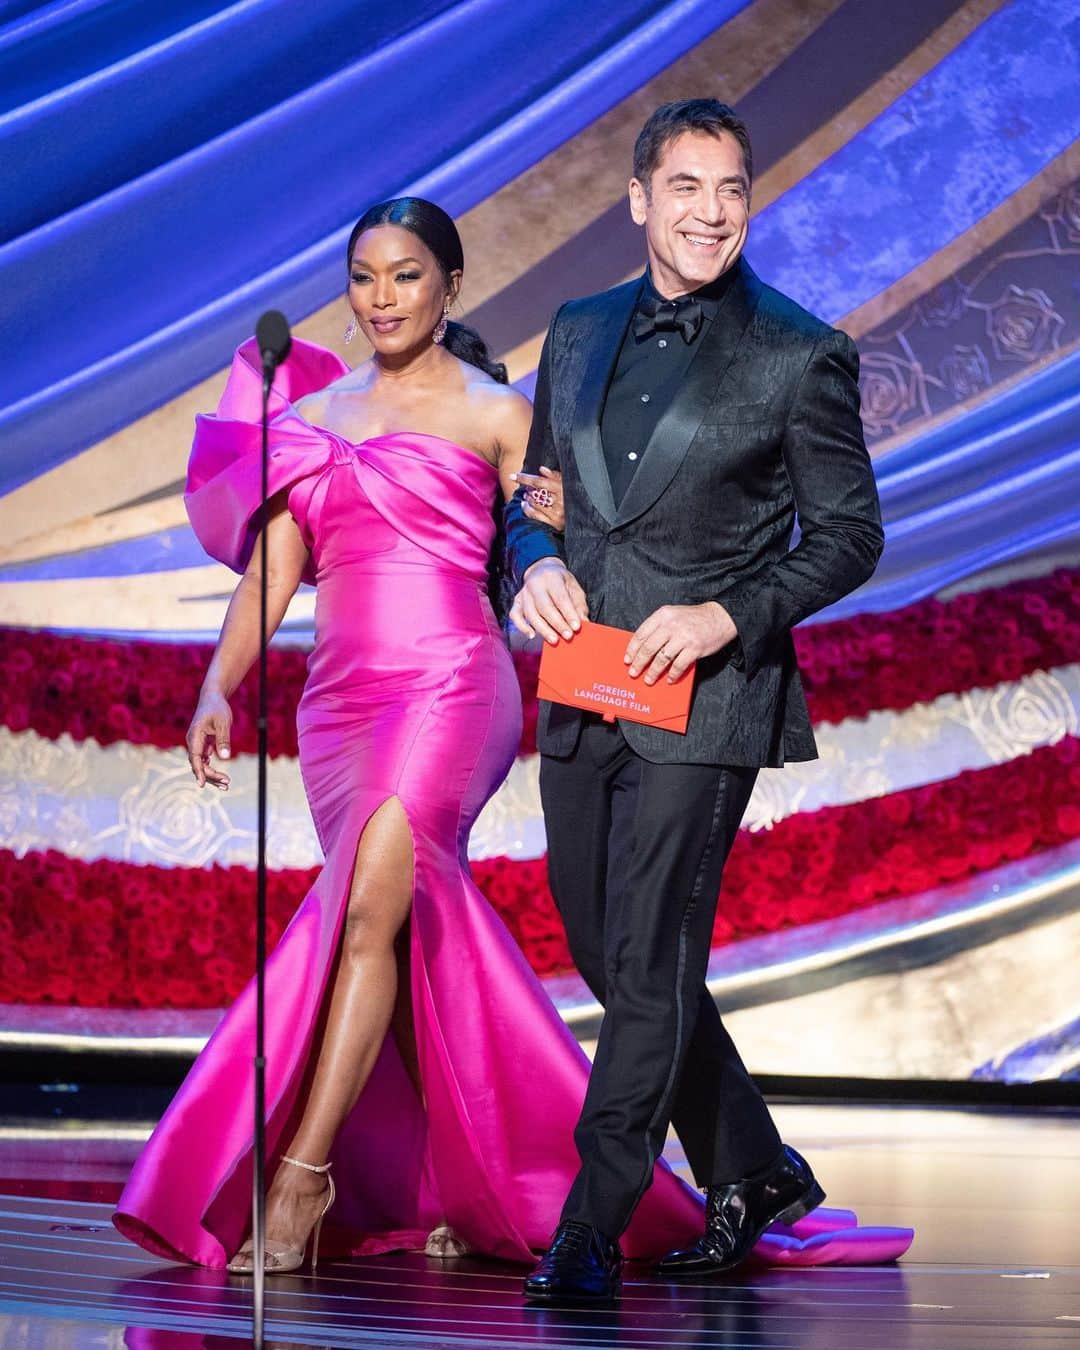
(673, 637)
(550, 602)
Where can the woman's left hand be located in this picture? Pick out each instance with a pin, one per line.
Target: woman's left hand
(543, 497)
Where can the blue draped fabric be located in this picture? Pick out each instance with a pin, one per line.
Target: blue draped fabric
(180, 168)
(133, 295)
(108, 95)
(962, 140)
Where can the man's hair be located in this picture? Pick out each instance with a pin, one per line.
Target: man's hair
(689, 114)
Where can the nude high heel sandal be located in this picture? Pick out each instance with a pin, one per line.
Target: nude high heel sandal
(445, 1244)
(281, 1258)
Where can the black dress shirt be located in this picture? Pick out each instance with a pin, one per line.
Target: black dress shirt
(647, 375)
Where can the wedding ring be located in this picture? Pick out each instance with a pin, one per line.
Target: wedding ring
(540, 497)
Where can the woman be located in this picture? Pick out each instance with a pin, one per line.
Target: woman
(383, 481)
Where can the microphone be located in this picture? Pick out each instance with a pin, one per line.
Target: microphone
(272, 335)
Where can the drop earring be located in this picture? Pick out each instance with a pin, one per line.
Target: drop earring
(351, 329)
(439, 331)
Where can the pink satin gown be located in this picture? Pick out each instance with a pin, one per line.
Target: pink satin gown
(411, 695)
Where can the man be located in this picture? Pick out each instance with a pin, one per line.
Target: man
(693, 413)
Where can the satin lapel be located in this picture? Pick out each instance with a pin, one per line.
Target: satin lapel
(605, 343)
(676, 429)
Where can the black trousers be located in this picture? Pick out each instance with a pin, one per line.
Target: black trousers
(635, 855)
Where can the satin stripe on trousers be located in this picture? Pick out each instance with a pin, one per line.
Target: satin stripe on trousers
(636, 851)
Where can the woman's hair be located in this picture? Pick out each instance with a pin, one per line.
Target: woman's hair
(433, 226)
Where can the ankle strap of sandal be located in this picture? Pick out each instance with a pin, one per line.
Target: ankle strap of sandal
(308, 1167)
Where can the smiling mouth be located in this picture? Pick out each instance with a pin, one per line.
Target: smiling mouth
(704, 240)
(386, 325)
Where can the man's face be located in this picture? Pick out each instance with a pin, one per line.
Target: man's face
(696, 212)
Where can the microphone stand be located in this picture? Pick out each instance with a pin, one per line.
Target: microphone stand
(258, 1209)
(272, 336)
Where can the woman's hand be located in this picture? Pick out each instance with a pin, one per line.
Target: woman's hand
(209, 734)
(543, 497)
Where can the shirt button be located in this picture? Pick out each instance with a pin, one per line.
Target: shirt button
(662, 342)
(645, 398)
(632, 455)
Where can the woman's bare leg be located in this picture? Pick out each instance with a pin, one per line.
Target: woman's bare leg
(362, 1004)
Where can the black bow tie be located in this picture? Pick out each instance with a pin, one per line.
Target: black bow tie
(655, 316)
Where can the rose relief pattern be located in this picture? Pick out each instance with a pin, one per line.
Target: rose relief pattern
(1014, 306)
(139, 804)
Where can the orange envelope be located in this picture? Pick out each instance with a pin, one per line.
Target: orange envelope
(589, 672)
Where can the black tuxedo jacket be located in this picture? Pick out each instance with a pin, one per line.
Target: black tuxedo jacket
(765, 427)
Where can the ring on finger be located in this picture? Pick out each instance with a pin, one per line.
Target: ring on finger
(664, 655)
(540, 497)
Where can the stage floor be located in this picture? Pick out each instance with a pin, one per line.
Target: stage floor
(996, 1261)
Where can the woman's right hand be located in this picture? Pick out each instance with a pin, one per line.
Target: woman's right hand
(543, 497)
(209, 734)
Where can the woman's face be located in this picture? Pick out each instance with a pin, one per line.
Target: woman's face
(396, 289)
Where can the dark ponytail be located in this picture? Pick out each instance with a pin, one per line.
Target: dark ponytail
(467, 345)
(434, 227)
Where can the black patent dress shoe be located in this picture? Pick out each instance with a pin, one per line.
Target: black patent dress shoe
(582, 1265)
(738, 1213)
